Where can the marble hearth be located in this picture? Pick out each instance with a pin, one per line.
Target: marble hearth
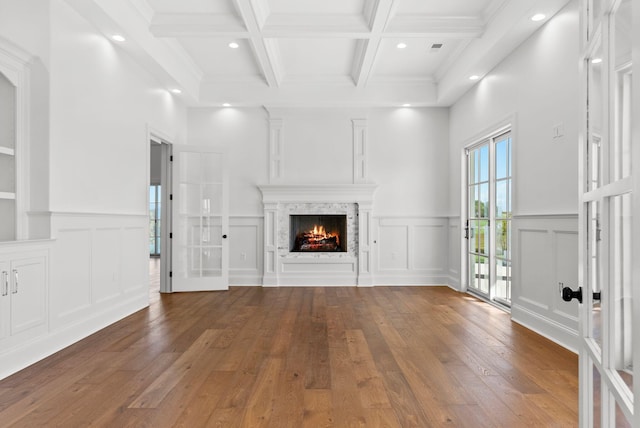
(283, 267)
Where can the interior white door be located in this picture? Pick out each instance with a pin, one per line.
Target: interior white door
(609, 336)
(200, 220)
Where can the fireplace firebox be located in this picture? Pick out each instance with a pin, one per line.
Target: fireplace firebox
(319, 233)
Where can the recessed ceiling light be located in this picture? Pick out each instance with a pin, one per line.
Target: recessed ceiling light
(176, 91)
(538, 17)
(406, 105)
(226, 105)
(401, 45)
(234, 45)
(118, 38)
(596, 60)
(474, 77)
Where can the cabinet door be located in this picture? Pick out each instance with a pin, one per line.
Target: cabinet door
(27, 291)
(4, 298)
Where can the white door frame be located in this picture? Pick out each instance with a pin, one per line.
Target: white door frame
(166, 206)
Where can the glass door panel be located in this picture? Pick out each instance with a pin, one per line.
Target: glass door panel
(489, 218)
(594, 278)
(201, 223)
(478, 219)
(621, 290)
(606, 213)
(503, 218)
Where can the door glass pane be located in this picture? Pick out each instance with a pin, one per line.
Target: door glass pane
(595, 280)
(154, 220)
(479, 273)
(621, 287)
(595, 122)
(622, 54)
(484, 163)
(621, 419)
(597, 398)
(503, 279)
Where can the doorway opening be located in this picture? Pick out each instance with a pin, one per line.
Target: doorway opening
(158, 203)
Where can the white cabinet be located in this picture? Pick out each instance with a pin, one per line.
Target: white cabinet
(23, 291)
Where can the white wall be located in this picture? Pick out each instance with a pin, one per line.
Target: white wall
(405, 152)
(102, 108)
(99, 106)
(538, 86)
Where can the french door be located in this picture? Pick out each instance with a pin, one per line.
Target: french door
(609, 315)
(200, 220)
(489, 217)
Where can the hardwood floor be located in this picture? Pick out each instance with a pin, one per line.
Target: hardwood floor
(294, 357)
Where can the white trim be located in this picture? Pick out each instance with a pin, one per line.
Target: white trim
(14, 65)
(546, 327)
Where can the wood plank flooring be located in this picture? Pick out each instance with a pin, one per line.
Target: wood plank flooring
(303, 357)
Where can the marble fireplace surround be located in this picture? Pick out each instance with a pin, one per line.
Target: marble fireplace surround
(284, 268)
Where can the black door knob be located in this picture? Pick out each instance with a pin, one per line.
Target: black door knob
(568, 294)
(224, 236)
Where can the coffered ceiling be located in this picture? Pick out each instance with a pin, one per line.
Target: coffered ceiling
(318, 52)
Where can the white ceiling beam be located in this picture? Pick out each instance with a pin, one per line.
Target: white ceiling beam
(330, 94)
(368, 49)
(301, 26)
(429, 26)
(164, 59)
(197, 25)
(253, 15)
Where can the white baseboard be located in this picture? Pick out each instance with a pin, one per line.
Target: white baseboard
(551, 329)
(26, 354)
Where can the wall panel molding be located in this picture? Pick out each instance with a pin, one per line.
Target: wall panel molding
(246, 243)
(411, 250)
(545, 254)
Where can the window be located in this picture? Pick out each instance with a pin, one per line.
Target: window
(155, 197)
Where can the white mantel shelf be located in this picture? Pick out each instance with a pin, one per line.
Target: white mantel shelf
(286, 193)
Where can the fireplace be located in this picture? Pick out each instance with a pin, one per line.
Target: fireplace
(293, 209)
(317, 233)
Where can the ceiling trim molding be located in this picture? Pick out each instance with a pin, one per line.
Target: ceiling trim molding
(253, 15)
(368, 51)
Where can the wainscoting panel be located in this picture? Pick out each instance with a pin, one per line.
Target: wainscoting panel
(99, 270)
(545, 255)
(454, 252)
(105, 264)
(71, 267)
(411, 250)
(134, 262)
(393, 247)
(246, 236)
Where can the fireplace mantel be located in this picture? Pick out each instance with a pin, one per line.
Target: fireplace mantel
(303, 193)
(284, 268)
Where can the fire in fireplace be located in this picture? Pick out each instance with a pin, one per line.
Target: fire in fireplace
(318, 233)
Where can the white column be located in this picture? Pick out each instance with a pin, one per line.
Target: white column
(360, 167)
(276, 151)
(270, 276)
(365, 242)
